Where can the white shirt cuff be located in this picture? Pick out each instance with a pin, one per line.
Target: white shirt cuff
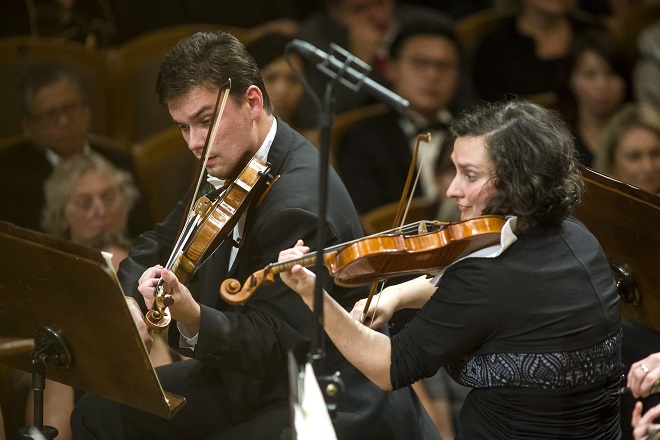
(186, 340)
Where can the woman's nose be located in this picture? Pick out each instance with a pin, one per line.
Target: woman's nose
(454, 189)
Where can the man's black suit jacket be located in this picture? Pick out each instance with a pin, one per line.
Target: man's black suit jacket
(245, 347)
(373, 161)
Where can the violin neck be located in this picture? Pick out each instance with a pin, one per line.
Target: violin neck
(282, 266)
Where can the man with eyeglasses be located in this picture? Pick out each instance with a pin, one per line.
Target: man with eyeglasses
(55, 118)
(365, 28)
(375, 153)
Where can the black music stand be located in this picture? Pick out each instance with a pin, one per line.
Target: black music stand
(67, 298)
(625, 221)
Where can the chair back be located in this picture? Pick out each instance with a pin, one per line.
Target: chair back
(380, 219)
(133, 69)
(346, 120)
(165, 167)
(473, 28)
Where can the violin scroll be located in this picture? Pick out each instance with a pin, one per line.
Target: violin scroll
(158, 318)
(232, 292)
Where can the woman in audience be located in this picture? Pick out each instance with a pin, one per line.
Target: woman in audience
(87, 196)
(630, 148)
(284, 88)
(523, 56)
(595, 82)
(87, 201)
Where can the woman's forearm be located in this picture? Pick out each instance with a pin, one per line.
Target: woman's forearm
(411, 294)
(368, 350)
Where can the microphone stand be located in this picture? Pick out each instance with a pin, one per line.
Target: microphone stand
(330, 385)
(337, 70)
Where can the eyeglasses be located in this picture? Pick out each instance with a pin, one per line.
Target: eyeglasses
(419, 63)
(86, 203)
(52, 116)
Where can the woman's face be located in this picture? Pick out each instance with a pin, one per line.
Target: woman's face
(283, 86)
(473, 185)
(637, 158)
(598, 89)
(93, 207)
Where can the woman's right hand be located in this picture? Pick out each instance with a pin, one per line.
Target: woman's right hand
(381, 309)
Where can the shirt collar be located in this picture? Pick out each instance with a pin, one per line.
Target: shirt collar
(55, 158)
(507, 238)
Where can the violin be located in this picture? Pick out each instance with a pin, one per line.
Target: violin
(208, 223)
(418, 248)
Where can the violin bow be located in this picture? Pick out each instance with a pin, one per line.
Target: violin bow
(200, 169)
(400, 217)
(158, 318)
(210, 139)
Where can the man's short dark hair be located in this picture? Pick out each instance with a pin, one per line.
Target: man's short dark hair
(423, 28)
(42, 74)
(208, 60)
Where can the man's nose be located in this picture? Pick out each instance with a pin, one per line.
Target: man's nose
(196, 139)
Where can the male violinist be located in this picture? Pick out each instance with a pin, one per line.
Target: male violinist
(236, 382)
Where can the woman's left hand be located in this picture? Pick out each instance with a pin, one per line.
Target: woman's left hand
(643, 426)
(299, 279)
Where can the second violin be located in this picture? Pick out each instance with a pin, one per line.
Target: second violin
(417, 248)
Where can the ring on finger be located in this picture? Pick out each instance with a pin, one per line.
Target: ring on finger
(644, 368)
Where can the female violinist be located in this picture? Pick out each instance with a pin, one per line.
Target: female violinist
(532, 324)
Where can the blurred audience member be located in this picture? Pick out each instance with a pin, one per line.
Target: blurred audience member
(282, 84)
(89, 22)
(55, 117)
(374, 154)
(523, 56)
(259, 16)
(88, 200)
(630, 149)
(365, 28)
(457, 9)
(646, 79)
(595, 82)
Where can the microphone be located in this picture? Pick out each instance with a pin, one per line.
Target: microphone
(332, 67)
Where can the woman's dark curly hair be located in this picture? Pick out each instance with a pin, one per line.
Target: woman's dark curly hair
(536, 174)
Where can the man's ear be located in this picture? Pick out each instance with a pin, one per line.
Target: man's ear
(255, 99)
